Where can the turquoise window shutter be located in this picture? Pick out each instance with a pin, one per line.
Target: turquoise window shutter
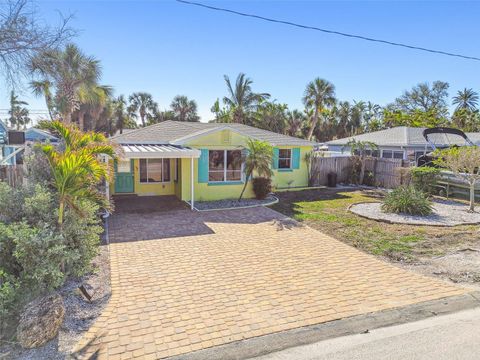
(296, 158)
(276, 153)
(203, 166)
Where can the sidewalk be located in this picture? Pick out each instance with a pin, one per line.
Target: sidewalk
(447, 337)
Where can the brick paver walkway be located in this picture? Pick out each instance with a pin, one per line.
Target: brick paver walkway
(184, 281)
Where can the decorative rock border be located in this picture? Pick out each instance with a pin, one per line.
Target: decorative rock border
(445, 214)
(227, 204)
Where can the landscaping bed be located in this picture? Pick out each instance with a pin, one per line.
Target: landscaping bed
(447, 252)
(445, 213)
(80, 314)
(234, 203)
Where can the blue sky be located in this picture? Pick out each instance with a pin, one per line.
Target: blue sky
(167, 48)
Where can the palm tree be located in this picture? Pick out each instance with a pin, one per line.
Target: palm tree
(295, 120)
(241, 99)
(69, 71)
(77, 169)
(93, 101)
(466, 99)
(259, 159)
(361, 150)
(271, 116)
(319, 94)
(19, 115)
(184, 109)
(120, 113)
(43, 88)
(143, 104)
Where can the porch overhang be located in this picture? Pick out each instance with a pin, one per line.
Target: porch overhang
(158, 151)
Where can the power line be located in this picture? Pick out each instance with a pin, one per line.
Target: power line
(329, 31)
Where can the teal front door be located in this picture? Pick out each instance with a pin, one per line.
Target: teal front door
(124, 176)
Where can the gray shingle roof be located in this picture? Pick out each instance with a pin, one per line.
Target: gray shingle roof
(397, 136)
(169, 132)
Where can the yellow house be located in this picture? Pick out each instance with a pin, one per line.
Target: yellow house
(201, 161)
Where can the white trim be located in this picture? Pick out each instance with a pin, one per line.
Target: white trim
(242, 177)
(291, 159)
(192, 185)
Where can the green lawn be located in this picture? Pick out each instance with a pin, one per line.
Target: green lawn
(327, 211)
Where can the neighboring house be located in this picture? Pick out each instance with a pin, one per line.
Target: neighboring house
(20, 138)
(400, 142)
(201, 160)
(37, 135)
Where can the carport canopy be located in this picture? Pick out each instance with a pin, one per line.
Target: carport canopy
(161, 151)
(156, 151)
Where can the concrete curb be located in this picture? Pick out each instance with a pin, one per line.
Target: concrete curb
(266, 344)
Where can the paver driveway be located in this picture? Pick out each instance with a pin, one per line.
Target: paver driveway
(184, 281)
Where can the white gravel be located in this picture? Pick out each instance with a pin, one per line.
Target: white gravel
(79, 314)
(234, 203)
(445, 213)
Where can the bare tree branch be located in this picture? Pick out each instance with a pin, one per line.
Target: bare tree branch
(23, 34)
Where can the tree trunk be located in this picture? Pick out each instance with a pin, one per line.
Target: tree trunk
(314, 124)
(362, 171)
(81, 120)
(244, 186)
(61, 209)
(67, 117)
(472, 196)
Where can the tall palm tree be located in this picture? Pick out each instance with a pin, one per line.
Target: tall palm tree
(241, 99)
(143, 104)
(19, 115)
(184, 109)
(466, 99)
(319, 95)
(93, 101)
(259, 159)
(77, 169)
(43, 88)
(69, 71)
(295, 121)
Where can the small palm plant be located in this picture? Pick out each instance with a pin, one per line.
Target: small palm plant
(259, 159)
(77, 169)
(361, 149)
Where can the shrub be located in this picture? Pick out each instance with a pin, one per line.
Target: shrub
(40, 253)
(424, 179)
(407, 200)
(34, 204)
(262, 186)
(82, 237)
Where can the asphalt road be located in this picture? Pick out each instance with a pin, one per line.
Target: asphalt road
(447, 337)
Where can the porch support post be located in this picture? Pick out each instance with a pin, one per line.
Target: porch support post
(192, 185)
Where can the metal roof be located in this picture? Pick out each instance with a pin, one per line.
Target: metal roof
(396, 136)
(133, 151)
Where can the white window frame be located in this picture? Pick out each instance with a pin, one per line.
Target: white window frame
(393, 154)
(284, 158)
(154, 182)
(242, 175)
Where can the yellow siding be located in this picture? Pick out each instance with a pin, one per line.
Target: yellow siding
(167, 188)
(205, 191)
(226, 139)
(295, 177)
